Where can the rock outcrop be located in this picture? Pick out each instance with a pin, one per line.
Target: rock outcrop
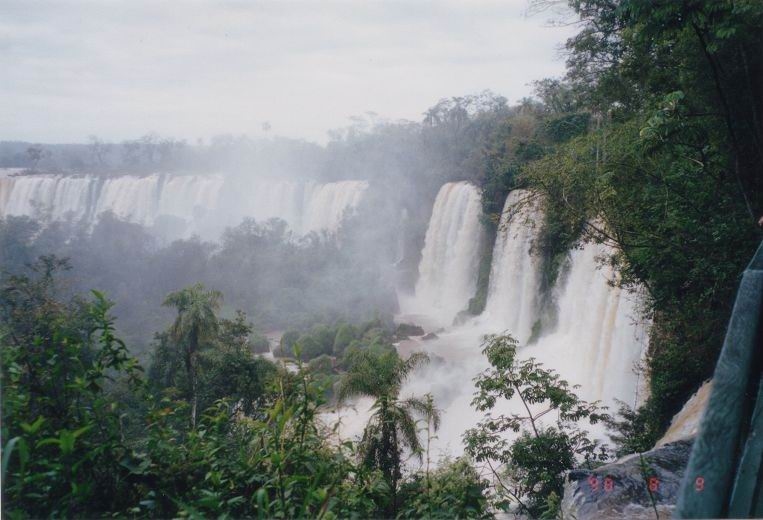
(636, 486)
(588, 494)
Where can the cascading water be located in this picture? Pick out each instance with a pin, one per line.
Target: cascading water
(268, 199)
(450, 258)
(598, 339)
(305, 206)
(512, 299)
(187, 195)
(55, 196)
(325, 204)
(132, 198)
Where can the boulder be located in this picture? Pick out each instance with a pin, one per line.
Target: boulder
(429, 336)
(635, 486)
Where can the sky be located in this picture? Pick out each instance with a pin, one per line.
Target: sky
(193, 69)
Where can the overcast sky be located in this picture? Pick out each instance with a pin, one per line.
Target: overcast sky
(193, 69)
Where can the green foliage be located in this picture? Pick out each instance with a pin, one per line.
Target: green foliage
(84, 438)
(286, 345)
(195, 324)
(234, 374)
(258, 342)
(634, 431)
(309, 347)
(454, 490)
(534, 462)
(406, 330)
(275, 465)
(281, 282)
(324, 335)
(345, 334)
(325, 340)
(563, 128)
(391, 427)
(61, 427)
(224, 364)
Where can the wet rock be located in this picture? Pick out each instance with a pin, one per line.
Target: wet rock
(462, 317)
(636, 486)
(406, 330)
(429, 336)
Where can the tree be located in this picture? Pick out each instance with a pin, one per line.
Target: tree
(99, 150)
(345, 334)
(195, 323)
(534, 463)
(392, 426)
(36, 154)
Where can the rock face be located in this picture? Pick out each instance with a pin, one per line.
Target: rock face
(633, 487)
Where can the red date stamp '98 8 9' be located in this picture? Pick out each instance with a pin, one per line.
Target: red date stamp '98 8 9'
(607, 484)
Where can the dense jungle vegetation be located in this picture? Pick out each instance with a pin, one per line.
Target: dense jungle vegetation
(652, 142)
(213, 429)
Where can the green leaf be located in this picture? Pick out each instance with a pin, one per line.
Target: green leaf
(32, 428)
(66, 441)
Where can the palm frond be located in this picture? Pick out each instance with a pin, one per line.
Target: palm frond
(409, 433)
(407, 366)
(356, 384)
(425, 408)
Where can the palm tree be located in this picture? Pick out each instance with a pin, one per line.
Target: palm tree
(195, 322)
(392, 426)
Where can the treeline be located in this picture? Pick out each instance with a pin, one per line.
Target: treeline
(152, 153)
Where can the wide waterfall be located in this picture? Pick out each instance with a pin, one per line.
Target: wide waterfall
(450, 258)
(194, 200)
(512, 302)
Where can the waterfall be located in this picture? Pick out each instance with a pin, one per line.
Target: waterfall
(595, 342)
(450, 258)
(55, 196)
(131, 198)
(194, 199)
(190, 196)
(326, 204)
(276, 199)
(305, 206)
(598, 338)
(514, 283)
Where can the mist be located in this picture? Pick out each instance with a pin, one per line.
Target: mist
(293, 233)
